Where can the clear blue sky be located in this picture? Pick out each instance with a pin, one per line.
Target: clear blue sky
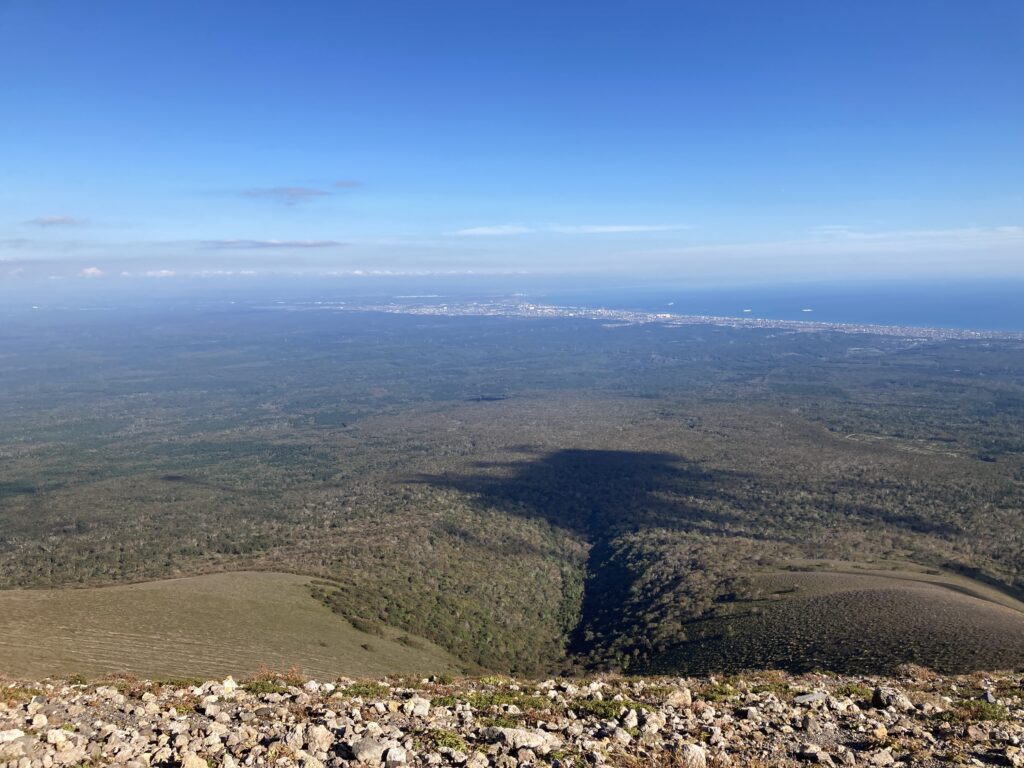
(715, 140)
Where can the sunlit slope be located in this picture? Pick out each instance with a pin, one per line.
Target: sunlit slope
(199, 626)
(857, 622)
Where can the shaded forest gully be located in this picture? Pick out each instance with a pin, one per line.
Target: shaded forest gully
(609, 499)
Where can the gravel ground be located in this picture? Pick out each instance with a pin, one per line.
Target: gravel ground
(765, 719)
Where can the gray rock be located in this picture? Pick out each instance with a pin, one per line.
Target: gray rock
(691, 756)
(319, 738)
(812, 753)
(216, 729)
(810, 725)
(976, 733)
(73, 756)
(518, 738)
(296, 737)
(890, 697)
(161, 755)
(526, 756)
(810, 698)
(680, 699)
(417, 707)
(56, 736)
(11, 750)
(368, 750)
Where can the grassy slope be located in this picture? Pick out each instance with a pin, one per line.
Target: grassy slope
(197, 626)
(865, 622)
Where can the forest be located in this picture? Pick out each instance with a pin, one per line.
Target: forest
(533, 495)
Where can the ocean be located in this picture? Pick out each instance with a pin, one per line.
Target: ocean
(968, 306)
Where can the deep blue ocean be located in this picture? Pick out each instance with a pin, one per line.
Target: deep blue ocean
(977, 306)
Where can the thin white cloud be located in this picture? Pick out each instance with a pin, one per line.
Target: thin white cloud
(565, 229)
(499, 230)
(604, 229)
(827, 252)
(259, 244)
(952, 237)
(286, 195)
(158, 273)
(829, 229)
(348, 183)
(224, 273)
(421, 272)
(856, 252)
(57, 221)
(14, 242)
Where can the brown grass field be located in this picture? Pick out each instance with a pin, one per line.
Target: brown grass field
(198, 626)
(867, 621)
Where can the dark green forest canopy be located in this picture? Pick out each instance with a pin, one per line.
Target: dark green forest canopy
(529, 493)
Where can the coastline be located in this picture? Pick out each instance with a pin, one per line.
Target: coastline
(636, 317)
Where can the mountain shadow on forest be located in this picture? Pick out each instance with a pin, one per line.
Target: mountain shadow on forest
(615, 501)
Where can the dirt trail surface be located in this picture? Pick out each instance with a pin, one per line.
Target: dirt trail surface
(219, 624)
(759, 720)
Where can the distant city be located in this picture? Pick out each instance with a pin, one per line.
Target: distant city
(512, 308)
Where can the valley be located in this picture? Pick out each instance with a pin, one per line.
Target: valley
(531, 495)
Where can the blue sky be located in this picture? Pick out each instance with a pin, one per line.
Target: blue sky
(712, 141)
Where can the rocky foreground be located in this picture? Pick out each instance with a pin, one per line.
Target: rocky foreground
(768, 719)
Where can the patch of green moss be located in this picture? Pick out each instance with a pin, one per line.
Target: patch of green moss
(976, 711)
(657, 693)
(180, 682)
(18, 693)
(264, 687)
(605, 709)
(778, 688)
(447, 739)
(501, 721)
(367, 690)
(719, 692)
(855, 691)
(495, 680)
(487, 699)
